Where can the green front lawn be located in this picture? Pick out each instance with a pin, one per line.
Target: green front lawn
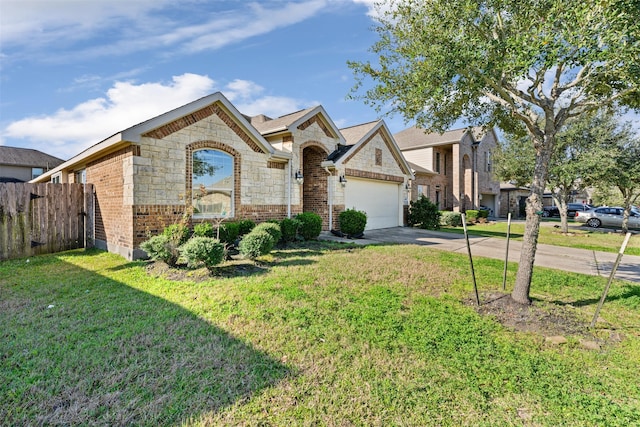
(595, 240)
(381, 335)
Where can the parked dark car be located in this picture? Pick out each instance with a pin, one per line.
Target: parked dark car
(572, 208)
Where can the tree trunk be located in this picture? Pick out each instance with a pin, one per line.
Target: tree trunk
(522, 286)
(564, 223)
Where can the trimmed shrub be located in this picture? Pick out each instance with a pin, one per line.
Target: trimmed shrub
(255, 244)
(246, 225)
(161, 248)
(289, 228)
(270, 227)
(311, 225)
(203, 229)
(424, 214)
(177, 233)
(471, 215)
(202, 250)
(452, 219)
(229, 232)
(483, 213)
(352, 222)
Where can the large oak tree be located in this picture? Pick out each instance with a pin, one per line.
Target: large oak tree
(508, 63)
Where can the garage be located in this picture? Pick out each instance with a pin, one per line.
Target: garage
(380, 200)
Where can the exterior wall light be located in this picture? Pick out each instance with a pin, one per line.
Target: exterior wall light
(343, 180)
(299, 177)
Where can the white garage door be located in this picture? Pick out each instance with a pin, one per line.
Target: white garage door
(380, 200)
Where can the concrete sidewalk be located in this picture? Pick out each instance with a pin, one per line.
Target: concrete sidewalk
(557, 257)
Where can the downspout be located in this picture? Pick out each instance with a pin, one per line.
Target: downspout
(289, 191)
(330, 196)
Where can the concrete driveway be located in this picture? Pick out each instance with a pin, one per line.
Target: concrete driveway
(557, 257)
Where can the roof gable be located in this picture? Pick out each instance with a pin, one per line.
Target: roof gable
(216, 104)
(299, 120)
(359, 136)
(172, 121)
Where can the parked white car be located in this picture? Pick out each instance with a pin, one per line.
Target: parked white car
(607, 216)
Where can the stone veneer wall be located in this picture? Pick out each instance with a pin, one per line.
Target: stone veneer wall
(163, 177)
(375, 155)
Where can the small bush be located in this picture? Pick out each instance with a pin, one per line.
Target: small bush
(483, 213)
(202, 250)
(177, 233)
(311, 225)
(161, 248)
(229, 232)
(451, 219)
(270, 227)
(246, 225)
(471, 215)
(255, 244)
(203, 229)
(424, 214)
(289, 228)
(352, 222)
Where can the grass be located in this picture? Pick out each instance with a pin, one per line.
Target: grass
(578, 237)
(380, 335)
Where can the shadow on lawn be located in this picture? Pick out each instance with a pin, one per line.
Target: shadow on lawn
(630, 291)
(484, 233)
(95, 351)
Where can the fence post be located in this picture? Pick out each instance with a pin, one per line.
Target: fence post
(89, 217)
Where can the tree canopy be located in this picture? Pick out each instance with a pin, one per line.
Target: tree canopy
(577, 162)
(524, 66)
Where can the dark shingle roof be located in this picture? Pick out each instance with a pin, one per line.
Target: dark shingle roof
(28, 157)
(340, 151)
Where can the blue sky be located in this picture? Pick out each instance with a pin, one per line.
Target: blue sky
(75, 72)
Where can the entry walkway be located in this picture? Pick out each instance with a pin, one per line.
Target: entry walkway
(561, 258)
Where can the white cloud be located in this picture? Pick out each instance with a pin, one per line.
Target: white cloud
(69, 131)
(44, 21)
(247, 97)
(242, 89)
(375, 7)
(272, 106)
(123, 27)
(254, 20)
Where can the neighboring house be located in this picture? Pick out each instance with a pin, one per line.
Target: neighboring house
(24, 164)
(208, 161)
(453, 169)
(513, 200)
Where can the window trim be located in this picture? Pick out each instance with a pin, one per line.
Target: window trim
(232, 190)
(33, 172)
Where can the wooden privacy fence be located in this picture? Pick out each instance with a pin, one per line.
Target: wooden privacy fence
(45, 218)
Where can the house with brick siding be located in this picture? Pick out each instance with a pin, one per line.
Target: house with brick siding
(208, 161)
(453, 169)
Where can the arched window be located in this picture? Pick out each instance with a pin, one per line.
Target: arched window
(212, 184)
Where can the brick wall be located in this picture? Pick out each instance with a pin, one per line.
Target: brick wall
(113, 218)
(314, 188)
